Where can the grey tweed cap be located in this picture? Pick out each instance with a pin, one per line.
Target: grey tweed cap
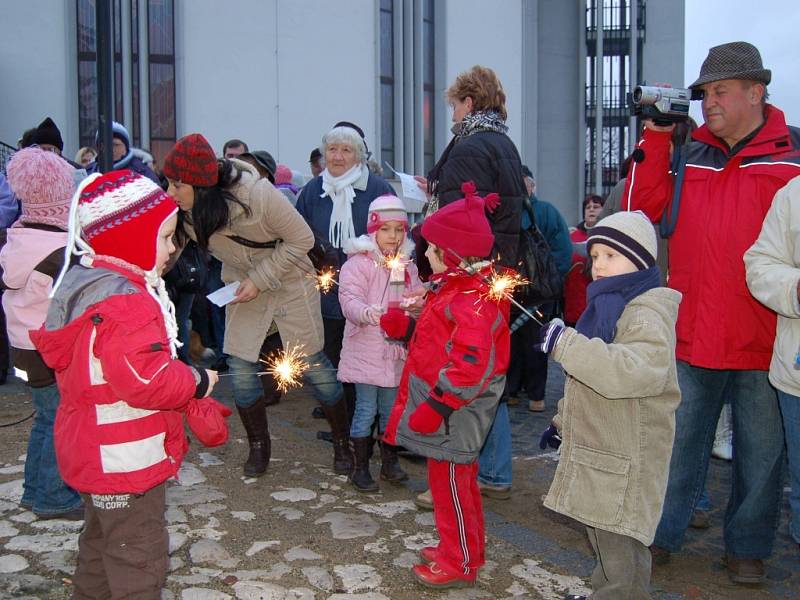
(734, 60)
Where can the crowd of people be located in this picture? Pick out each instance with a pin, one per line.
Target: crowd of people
(105, 278)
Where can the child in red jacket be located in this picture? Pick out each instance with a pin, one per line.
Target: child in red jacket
(110, 337)
(452, 382)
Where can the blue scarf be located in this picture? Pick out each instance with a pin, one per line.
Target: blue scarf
(606, 299)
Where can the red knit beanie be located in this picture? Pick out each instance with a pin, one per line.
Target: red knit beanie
(461, 227)
(192, 161)
(120, 214)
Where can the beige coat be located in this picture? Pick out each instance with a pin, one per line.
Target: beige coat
(617, 420)
(773, 273)
(288, 293)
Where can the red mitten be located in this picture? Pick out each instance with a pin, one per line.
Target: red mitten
(206, 418)
(397, 324)
(425, 419)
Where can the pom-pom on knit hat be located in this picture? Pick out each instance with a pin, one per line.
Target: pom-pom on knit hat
(44, 184)
(629, 233)
(461, 227)
(120, 213)
(384, 209)
(192, 161)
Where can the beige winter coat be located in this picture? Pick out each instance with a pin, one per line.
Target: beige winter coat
(617, 420)
(773, 271)
(288, 294)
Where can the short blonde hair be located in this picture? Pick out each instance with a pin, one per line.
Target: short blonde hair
(80, 154)
(482, 85)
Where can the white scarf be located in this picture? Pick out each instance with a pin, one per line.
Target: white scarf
(341, 192)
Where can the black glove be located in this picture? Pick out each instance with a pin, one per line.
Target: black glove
(550, 437)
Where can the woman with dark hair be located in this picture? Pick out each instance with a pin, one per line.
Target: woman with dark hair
(262, 242)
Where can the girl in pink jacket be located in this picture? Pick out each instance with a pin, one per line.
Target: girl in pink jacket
(368, 284)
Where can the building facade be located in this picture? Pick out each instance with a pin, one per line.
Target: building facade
(279, 73)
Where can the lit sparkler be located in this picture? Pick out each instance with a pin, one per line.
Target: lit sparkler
(326, 279)
(287, 367)
(503, 284)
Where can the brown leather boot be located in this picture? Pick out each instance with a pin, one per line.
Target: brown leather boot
(361, 478)
(340, 434)
(254, 419)
(391, 470)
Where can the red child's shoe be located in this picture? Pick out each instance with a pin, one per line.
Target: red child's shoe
(433, 577)
(428, 554)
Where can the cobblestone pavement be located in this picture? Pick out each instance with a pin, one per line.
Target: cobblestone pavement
(301, 532)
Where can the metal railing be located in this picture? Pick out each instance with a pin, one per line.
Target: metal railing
(5, 154)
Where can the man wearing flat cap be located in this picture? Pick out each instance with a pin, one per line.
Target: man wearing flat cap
(736, 162)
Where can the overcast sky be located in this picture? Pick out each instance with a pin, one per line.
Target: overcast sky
(773, 26)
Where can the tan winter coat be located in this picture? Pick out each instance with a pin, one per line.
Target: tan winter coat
(773, 273)
(617, 420)
(288, 295)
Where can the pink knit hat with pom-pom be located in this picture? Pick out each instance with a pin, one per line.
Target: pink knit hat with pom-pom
(384, 209)
(44, 184)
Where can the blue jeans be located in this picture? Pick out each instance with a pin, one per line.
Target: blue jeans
(43, 488)
(321, 376)
(183, 308)
(753, 511)
(790, 409)
(494, 461)
(371, 400)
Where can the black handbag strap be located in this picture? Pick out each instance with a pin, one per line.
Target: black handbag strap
(670, 218)
(252, 244)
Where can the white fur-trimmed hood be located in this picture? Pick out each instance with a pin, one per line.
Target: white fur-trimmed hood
(366, 244)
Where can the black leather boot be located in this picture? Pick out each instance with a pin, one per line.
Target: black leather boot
(340, 434)
(254, 419)
(391, 470)
(361, 478)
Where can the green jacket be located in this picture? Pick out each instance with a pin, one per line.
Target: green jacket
(617, 420)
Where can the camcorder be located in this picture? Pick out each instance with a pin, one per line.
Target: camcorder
(664, 105)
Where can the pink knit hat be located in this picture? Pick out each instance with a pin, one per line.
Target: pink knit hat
(283, 174)
(384, 209)
(44, 184)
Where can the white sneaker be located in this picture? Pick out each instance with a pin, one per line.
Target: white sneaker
(424, 500)
(723, 438)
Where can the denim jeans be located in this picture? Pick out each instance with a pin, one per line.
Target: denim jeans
(183, 308)
(494, 461)
(43, 488)
(753, 511)
(790, 410)
(371, 400)
(320, 375)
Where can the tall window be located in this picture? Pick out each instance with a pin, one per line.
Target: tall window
(619, 37)
(407, 85)
(159, 53)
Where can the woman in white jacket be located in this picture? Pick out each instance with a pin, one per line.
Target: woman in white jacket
(773, 276)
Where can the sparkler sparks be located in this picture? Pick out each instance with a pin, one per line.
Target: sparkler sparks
(326, 279)
(287, 367)
(502, 285)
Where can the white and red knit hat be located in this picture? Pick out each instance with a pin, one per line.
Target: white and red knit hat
(120, 213)
(44, 184)
(384, 209)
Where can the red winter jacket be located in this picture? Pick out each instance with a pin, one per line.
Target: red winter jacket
(119, 426)
(459, 355)
(723, 204)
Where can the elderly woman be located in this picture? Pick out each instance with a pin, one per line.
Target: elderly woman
(335, 204)
(242, 220)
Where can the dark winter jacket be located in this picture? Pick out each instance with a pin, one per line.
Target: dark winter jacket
(316, 210)
(491, 160)
(554, 229)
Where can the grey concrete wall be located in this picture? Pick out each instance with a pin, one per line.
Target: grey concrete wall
(38, 69)
(663, 53)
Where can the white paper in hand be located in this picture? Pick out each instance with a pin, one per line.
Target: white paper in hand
(413, 196)
(224, 295)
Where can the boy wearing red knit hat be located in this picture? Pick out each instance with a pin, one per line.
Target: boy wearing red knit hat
(451, 383)
(110, 337)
